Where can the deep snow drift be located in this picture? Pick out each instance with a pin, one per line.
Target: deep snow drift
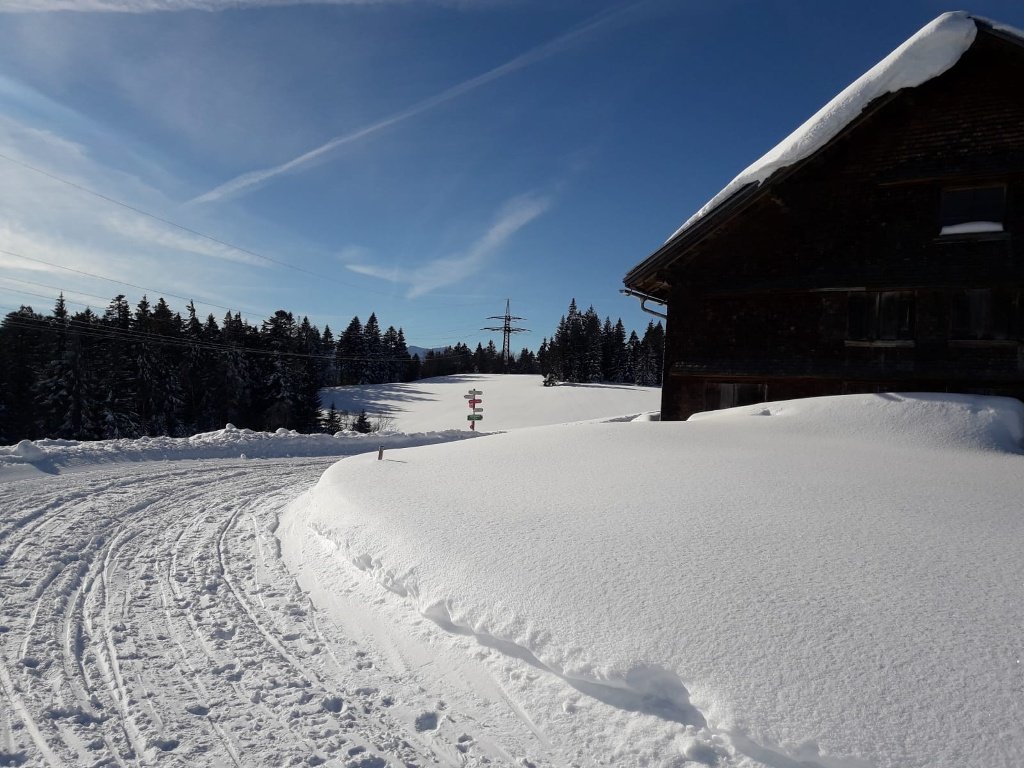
(831, 582)
(31, 456)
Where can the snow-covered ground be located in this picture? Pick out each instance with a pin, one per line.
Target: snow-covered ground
(832, 582)
(509, 402)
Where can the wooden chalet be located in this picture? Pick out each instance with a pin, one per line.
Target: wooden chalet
(878, 248)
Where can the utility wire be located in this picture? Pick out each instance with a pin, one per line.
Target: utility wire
(163, 220)
(197, 233)
(97, 330)
(144, 289)
(54, 288)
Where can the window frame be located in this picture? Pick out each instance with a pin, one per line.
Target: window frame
(983, 315)
(957, 211)
(885, 318)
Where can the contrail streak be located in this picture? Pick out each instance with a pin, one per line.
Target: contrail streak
(255, 178)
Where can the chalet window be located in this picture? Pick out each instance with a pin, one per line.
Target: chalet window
(880, 316)
(733, 395)
(982, 314)
(972, 210)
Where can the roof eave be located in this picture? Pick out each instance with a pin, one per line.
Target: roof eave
(643, 276)
(638, 277)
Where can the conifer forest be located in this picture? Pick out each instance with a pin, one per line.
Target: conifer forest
(148, 370)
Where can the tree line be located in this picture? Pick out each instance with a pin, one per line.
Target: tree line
(583, 349)
(148, 371)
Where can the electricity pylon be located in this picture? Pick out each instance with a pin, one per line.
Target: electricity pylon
(506, 334)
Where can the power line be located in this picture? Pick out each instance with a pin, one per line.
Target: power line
(163, 220)
(121, 282)
(54, 288)
(97, 330)
(197, 233)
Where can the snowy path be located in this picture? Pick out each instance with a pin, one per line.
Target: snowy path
(146, 616)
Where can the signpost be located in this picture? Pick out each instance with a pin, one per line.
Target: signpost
(477, 413)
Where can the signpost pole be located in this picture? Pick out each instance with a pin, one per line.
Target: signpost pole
(477, 413)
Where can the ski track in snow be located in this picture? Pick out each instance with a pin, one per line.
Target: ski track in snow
(146, 616)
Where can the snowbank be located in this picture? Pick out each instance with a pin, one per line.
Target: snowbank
(227, 443)
(834, 582)
(421, 413)
(918, 420)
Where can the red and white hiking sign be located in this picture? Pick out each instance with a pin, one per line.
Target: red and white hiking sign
(478, 413)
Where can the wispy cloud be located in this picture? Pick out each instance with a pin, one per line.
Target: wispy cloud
(256, 178)
(165, 6)
(160, 236)
(83, 243)
(448, 270)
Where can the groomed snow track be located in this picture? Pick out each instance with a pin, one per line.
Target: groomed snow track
(146, 617)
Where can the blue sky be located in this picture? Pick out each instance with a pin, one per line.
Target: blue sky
(422, 160)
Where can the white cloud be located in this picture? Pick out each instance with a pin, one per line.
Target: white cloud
(170, 6)
(256, 178)
(162, 6)
(162, 236)
(392, 275)
(85, 244)
(448, 270)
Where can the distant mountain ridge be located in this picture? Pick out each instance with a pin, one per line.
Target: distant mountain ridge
(422, 351)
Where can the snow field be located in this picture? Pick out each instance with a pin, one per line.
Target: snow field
(831, 582)
(147, 616)
(509, 402)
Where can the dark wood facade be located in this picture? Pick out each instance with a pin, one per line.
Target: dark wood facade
(846, 272)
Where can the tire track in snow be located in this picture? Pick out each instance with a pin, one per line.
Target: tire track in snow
(115, 703)
(102, 647)
(224, 626)
(296, 624)
(60, 568)
(161, 626)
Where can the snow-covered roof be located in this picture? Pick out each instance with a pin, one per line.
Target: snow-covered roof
(933, 50)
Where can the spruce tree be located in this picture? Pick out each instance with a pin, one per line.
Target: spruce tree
(330, 363)
(632, 372)
(351, 353)
(362, 424)
(281, 389)
(308, 370)
(590, 365)
(56, 383)
(23, 349)
(652, 353)
(332, 421)
(117, 393)
(374, 365)
(68, 393)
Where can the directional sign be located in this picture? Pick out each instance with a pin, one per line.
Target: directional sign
(474, 401)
